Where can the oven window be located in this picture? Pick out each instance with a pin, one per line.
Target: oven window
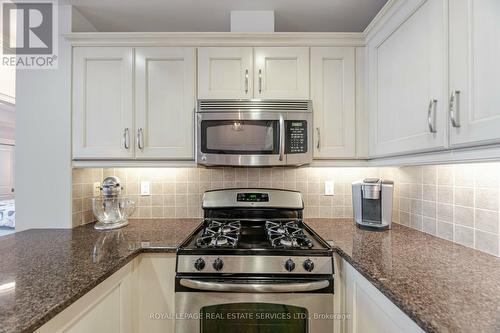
(253, 318)
(239, 137)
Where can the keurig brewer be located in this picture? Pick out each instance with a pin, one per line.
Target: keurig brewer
(372, 203)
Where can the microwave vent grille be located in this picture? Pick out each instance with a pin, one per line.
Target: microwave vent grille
(254, 105)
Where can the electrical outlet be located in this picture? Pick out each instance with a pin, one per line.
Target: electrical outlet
(329, 187)
(97, 189)
(145, 188)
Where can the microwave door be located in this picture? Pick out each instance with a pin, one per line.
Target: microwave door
(240, 139)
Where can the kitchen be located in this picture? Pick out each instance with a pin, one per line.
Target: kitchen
(226, 172)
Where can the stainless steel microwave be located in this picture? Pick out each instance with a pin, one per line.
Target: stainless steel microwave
(254, 132)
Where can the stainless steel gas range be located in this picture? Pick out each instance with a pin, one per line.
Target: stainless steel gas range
(252, 266)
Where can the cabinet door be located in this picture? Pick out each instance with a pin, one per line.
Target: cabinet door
(164, 97)
(406, 64)
(6, 171)
(106, 308)
(474, 71)
(369, 309)
(281, 72)
(333, 96)
(156, 292)
(225, 72)
(102, 102)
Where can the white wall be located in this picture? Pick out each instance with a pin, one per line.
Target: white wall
(43, 141)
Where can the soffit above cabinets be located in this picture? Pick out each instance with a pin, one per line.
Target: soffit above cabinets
(191, 15)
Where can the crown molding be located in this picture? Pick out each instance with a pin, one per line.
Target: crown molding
(379, 19)
(215, 39)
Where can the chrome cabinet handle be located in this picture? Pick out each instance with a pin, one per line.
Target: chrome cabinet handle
(140, 138)
(454, 108)
(246, 81)
(431, 115)
(319, 138)
(255, 287)
(282, 138)
(126, 138)
(260, 81)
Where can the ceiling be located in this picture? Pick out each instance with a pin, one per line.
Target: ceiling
(213, 15)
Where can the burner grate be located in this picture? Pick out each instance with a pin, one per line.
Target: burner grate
(287, 235)
(220, 234)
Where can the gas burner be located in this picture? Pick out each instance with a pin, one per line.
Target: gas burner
(220, 234)
(287, 235)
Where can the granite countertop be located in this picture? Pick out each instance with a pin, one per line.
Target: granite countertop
(442, 286)
(52, 268)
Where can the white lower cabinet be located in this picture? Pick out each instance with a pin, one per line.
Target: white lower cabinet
(369, 310)
(155, 293)
(140, 297)
(137, 298)
(105, 309)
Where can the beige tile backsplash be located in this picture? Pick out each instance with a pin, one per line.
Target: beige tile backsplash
(177, 192)
(456, 202)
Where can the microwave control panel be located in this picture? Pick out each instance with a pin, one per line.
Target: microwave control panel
(296, 137)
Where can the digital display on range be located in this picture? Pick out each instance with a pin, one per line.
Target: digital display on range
(252, 197)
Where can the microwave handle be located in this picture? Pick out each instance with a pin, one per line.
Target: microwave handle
(282, 138)
(255, 287)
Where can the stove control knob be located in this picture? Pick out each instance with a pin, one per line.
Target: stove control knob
(199, 264)
(308, 265)
(218, 264)
(289, 265)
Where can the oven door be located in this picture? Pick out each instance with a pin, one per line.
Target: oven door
(254, 306)
(240, 138)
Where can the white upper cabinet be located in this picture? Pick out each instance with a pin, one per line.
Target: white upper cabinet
(102, 102)
(474, 71)
(333, 95)
(225, 72)
(407, 103)
(281, 72)
(245, 72)
(164, 99)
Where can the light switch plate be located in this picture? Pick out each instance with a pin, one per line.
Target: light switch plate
(97, 189)
(329, 187)
(145, 188)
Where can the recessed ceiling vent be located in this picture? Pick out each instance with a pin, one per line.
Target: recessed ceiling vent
(252, 21)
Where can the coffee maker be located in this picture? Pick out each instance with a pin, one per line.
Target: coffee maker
(372, 203)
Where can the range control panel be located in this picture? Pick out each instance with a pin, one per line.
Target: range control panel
(296, 137)
(252, 197)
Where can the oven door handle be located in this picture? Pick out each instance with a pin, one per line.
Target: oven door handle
(255, 287)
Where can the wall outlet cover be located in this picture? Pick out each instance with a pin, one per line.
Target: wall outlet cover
(329, 187)
(97, 189)
(145, 188)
